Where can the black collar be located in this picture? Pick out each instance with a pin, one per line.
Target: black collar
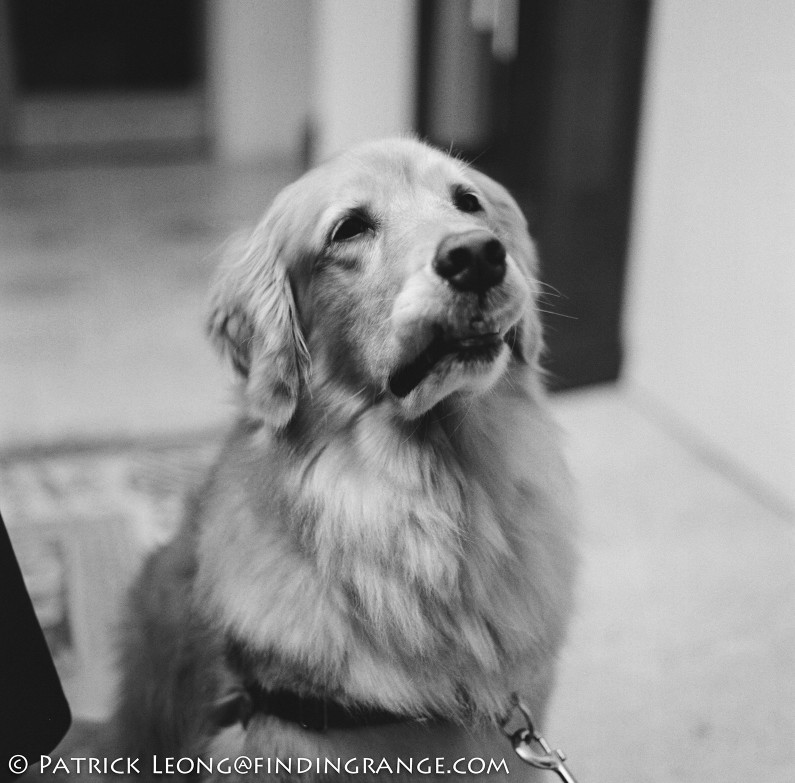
(310, 712)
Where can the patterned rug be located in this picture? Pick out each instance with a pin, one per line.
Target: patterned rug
(81, 520)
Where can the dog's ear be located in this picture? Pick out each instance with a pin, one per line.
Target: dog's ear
(510, 225)
(253, 320)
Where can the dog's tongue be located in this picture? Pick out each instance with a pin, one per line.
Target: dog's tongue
(410, 375)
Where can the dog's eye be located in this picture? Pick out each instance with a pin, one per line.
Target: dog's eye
(349, 228)
(466, 201)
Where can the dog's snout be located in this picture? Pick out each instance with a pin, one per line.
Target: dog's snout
(473, 261)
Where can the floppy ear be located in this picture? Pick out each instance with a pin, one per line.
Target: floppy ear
(510, 225)
(253, 320)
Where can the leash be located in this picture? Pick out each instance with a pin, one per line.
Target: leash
(526, 741)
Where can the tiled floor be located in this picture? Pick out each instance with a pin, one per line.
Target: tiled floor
(103, 282)
(681, 662)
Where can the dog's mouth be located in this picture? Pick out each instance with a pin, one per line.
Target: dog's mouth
(466, 349)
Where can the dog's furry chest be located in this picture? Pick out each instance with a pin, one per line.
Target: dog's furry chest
(366, 559)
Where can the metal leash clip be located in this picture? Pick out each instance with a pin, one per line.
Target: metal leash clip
(525, 742)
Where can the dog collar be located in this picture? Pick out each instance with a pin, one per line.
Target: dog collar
(310, 712)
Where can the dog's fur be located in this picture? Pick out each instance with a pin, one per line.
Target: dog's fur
(411, 552)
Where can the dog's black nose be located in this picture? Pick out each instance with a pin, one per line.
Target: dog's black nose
(473, 261)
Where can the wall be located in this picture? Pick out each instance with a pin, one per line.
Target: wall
(365, 71)
(711, 301)
(260, 63)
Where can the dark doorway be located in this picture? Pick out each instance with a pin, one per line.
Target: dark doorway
(558, 125)
(96, 45)
(119, 76)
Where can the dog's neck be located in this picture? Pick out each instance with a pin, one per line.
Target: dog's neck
(382, 509)
(414, 519)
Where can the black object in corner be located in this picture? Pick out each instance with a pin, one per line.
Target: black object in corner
(34, 712)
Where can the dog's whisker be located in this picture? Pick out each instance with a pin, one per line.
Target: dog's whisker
(473, 161)
(560, 315)
(547, 298)
(552, 290)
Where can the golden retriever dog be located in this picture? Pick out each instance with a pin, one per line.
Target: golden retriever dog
(381, 556)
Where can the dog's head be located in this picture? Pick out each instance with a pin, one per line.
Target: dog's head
(392, 274)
